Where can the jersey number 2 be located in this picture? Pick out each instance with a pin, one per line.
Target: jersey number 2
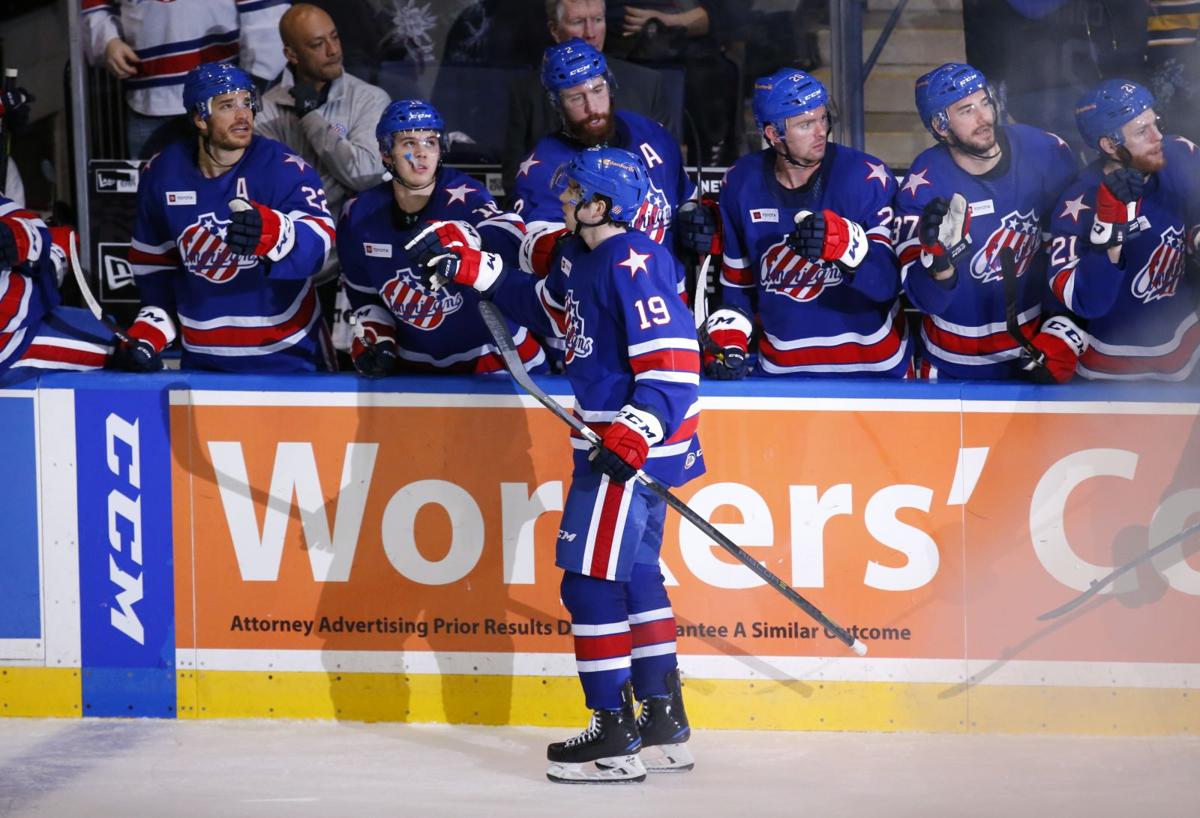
(658, 311)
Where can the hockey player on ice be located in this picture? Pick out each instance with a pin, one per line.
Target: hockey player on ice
(402, 324)
(231, 227)
(633, 362)
(807, 249)
(984, 188)
(36, 330)
(1125, 251)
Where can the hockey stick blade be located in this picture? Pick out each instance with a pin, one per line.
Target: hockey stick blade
(498, 328)
(1097, 585)
(86, 292)
(700, 299)
(1008, 277)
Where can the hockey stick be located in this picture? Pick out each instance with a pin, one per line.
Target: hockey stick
(1008, 276)
(498, 328)
(86, 292)
(10, 83)
(700, 300)
(1097, 585)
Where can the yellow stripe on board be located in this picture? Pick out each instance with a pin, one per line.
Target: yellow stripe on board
(40, 691)
(715, 704)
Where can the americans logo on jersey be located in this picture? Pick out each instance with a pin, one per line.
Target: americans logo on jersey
(654, 216)
(204, 252)
(414, 305)
(578, 344)
(1019, 231)
(785, 272)
(1159, 278)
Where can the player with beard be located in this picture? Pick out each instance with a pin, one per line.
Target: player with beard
(984, 189)
(402, 324)
(576, 78)
(807, 249)
(231, 228)
(1125, 252)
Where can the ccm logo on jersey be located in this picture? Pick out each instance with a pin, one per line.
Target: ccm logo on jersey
(181, 197)
(377, 250)
(765, 214)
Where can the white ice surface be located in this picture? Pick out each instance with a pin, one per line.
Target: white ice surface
(65, 768)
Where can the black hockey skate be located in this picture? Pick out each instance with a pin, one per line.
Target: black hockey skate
(605, 753)
(663, 724)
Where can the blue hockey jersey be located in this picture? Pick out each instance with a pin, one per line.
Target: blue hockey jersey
(629, 340)
(816, 318)
(534, 200)
(434, 331)
(963, 331)
(236, 313)
(1142, 314)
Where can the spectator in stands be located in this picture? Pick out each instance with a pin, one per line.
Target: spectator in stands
(151, 46)
(532, 114)
(1173, 62)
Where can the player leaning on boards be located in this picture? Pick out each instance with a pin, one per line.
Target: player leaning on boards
(401, 324)
(1125, 251)
(633, 363)
(577, 81)
(807, 249)
(985, 188)
(230, 229)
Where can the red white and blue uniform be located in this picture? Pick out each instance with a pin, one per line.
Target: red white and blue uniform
(235, 313)
(433, 330)
(963, 332)
(816, 317)
(171, 37)
(629, 340)
(1142, 313)
(535, 201)
(36, 330)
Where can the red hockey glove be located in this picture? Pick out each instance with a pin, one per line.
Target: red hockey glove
(944, 231)
(626, 444)
(828, 236)
(373, 350)
(480, 270)
(151, 332)
(1060, 342)
(19, 241)
(699, 226)
(540, 246)
(60, 250)
(726, 341)
(1118, 201)
(437, 237)
(257, 230)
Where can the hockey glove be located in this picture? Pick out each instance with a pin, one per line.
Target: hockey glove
(436, 238)
(478, 269)
(151, 332)
(944, 233)
(306, 97)
(374, 360)
(61, 237)
(699, 225)
(138, 356)
(540, 246)
(19, 241)
(1059, 343)
(828, 236)
(257, 230)
(1118, 200)
(726, 341)
(14, 108)
(626, 443)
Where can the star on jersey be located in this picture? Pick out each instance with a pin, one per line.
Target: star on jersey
(459, 194)
(297, 160)
(1074, 207)
(527, 165)
(635, 262)
(1189, 144)
(879, 173)
(914, 181)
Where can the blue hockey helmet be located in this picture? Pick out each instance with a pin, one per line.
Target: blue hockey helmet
(944, 86)
(569, 63)
(212, 79)
(407, 115)
(786, 93)
(614, 173)
(1108, 106)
